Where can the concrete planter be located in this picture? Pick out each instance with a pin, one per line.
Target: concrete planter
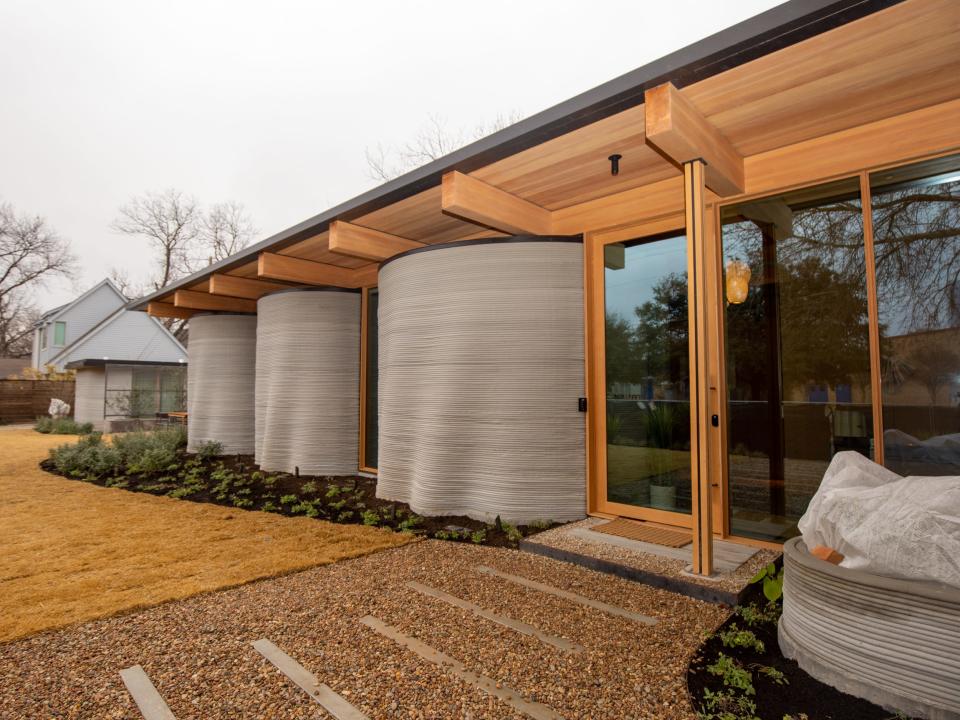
(893, 642)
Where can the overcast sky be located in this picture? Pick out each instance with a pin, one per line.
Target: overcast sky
(272, 104)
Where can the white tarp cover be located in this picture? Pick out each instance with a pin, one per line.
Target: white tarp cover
(885, 524)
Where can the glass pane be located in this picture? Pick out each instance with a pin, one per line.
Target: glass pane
(144, 400)
(798, 361)
(59, 333)
(916, 227)
(173, 389)
(648, 374)
(370, 448)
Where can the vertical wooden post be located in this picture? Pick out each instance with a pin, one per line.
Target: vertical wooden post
(873, 315)
(697, 294)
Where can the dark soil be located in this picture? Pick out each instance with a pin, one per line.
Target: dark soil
(236, 481)
(801, 698)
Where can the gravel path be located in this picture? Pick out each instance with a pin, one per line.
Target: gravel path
(197, 651)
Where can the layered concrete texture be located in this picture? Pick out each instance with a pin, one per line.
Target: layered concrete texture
(481, 367)
(89, 397)
(308, 380)
(890, 641)
(220, 381)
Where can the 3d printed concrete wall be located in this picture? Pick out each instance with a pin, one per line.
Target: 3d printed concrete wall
(308, 375)
(893, 642)
(89, 396)
(481, 368)
(220, 380)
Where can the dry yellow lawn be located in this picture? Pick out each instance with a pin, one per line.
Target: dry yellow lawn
(72, 551)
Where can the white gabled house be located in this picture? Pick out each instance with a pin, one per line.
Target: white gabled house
(97, 325)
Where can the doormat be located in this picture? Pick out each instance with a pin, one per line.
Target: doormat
(633, 530)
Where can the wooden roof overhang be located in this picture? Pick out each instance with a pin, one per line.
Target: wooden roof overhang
(801, 83)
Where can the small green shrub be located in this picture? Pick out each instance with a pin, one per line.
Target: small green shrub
(371, 517)
(88, 458)
(733, 674)
(772, 580)
(734, 637)
(513, 535)
(209, 449)
(268, 506)
(478, 537)
(724, 705)
(772, 673)
(61, 426)
(146, 452)
(309, 487)
(410, 522)
(289, 499)
(755, 615)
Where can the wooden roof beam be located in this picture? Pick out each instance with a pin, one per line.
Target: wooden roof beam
(205, 301)
(307, 272)
(238, 287)
(678, 130)
(475, 201)
(361, 242)
(168, 310)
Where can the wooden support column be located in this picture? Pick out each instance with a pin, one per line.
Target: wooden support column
(697, 295)
(475, 201)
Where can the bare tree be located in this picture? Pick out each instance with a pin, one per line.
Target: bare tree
(170, 221)
(30, 254)
(184, 236)
(226, 229)
(125, 284)
(433, 140)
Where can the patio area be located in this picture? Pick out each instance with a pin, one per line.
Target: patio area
(428, 630)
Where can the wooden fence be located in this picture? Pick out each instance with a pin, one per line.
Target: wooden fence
(24, 400)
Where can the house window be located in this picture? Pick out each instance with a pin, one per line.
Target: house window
(43, 338)
(59, 334)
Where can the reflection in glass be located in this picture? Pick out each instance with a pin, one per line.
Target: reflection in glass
(797, 352)
(648, 374)
(370, 448)
(916, 227)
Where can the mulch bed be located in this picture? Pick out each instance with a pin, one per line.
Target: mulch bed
(802, 698)
(236, 481)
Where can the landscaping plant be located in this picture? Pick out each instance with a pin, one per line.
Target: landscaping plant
(61, 426)
(158, 463)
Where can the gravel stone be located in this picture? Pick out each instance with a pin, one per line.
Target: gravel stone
(197, 651)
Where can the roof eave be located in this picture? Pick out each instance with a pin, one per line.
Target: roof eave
(773, 30)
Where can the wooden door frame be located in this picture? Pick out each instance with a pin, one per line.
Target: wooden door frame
(595, 357)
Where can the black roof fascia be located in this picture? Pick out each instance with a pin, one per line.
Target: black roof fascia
(101, 362)
(777, 28)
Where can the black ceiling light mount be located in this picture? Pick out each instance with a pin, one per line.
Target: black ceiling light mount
(615, 163)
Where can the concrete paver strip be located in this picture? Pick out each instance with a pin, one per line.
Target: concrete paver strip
(151, 703)
(321, 694)
(508, 622)
(457, 668)
(572, 597)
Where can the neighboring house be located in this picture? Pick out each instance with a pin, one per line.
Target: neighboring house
(96, 325)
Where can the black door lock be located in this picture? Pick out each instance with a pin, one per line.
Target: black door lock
(582, 404)
(715, 420)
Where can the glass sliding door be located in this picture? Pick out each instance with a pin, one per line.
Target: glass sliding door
(916, 229)
(797, 350)
(647, 374)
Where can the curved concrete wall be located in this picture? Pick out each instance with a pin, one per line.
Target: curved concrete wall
(308, 376)
(89, 397)
(893, 642)
(220, 379)
(481, 366)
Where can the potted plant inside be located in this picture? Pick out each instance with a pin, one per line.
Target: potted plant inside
(663, 492)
